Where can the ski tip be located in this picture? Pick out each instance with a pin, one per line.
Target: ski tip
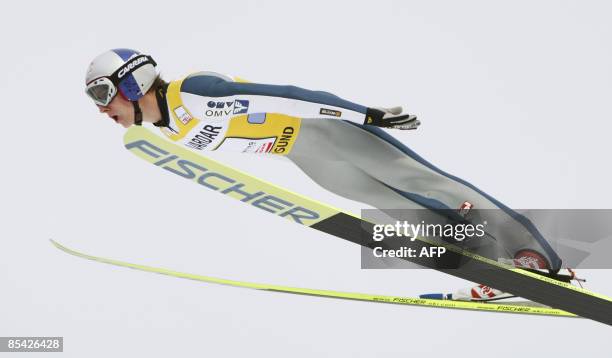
(436, 296)
(56, 244)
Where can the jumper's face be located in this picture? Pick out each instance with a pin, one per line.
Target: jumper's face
(120, 110)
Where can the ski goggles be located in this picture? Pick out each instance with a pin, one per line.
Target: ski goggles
(102, 90)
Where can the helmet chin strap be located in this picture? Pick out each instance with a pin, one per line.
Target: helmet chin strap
(137, 113)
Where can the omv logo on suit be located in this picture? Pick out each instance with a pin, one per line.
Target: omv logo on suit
(241, 106)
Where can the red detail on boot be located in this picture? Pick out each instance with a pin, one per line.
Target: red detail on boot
(484, 291)
(475, 293)
(530, 259)
(465, 208)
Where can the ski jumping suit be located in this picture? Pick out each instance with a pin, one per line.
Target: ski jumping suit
(325, 136)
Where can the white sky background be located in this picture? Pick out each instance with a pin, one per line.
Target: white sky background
(514, 97)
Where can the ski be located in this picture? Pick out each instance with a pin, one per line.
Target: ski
(305, 211)
(510, 307)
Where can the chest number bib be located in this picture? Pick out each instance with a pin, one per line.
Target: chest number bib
(261, 133)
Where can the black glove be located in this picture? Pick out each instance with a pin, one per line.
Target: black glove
(391, 118)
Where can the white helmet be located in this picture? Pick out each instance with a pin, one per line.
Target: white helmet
(122, 71)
